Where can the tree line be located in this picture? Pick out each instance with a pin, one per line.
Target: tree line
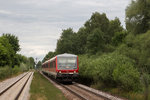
(98, 35)
(110, 55)
(10, 60)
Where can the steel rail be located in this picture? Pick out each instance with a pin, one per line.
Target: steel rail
(70, 90)
(18, 95)
(75, 93)
(12, 84)
(105, 98)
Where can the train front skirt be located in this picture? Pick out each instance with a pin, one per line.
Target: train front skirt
(67, 76)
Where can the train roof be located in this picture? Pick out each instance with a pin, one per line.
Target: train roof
(66, 55)
(61, 55)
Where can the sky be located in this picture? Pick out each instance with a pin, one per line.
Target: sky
(38, 23)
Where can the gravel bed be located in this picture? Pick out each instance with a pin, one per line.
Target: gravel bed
(83, 93)
(5, 84)
(103, 94)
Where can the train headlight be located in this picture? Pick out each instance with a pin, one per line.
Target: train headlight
(59, 71)
(74, 71)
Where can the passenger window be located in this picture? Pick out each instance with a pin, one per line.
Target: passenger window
(54, 63)
(51, 64)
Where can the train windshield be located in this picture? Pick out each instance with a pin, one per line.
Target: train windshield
(67, 63)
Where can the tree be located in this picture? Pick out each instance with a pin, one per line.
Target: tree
(138, 16)
(97, 20)
(115, 27)
(137, 48)
(13, 40)
(31, 61)
(95, 41)
(6, 52)
(49, 56)
(39, 64)
(119, 38)
(81, 41)
(66, 43)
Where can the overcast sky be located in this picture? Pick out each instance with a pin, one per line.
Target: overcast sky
(39, 23)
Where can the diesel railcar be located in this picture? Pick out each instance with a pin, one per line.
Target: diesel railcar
(63, 67)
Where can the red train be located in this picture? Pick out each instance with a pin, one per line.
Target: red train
(63, 67)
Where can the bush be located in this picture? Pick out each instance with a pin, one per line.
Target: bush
(127, 76)
(23, 67)
(16, 69)
(84, 69)
(111, 69)
(5, 72)
(137, 47)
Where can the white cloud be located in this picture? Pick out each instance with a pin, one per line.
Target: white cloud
(38, 23)
(5, 12)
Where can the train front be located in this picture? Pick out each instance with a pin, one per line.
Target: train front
(67, 67)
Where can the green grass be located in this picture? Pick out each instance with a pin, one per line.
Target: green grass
(42, 89)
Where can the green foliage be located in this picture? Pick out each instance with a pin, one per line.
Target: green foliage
(115, 27)
(111, 55)
(94, 37)
(31, 62)
(39, 64)
(28, 61)
(66, 42)
(98, 25)
(23, 67)
(137, 48)
(119, 38)
(127, 77)
(49, 56)
(138, 16)
(81, 40)
(146, 82)
(97, 20)
(7, 71)
(13, 40)
(111, 69)
(9, 45)
(7, 53)
(16, 69)
(95, 41)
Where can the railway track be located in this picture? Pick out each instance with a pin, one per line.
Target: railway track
(82, 92)
(17, 90)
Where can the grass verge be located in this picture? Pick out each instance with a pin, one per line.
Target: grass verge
(42, 89)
